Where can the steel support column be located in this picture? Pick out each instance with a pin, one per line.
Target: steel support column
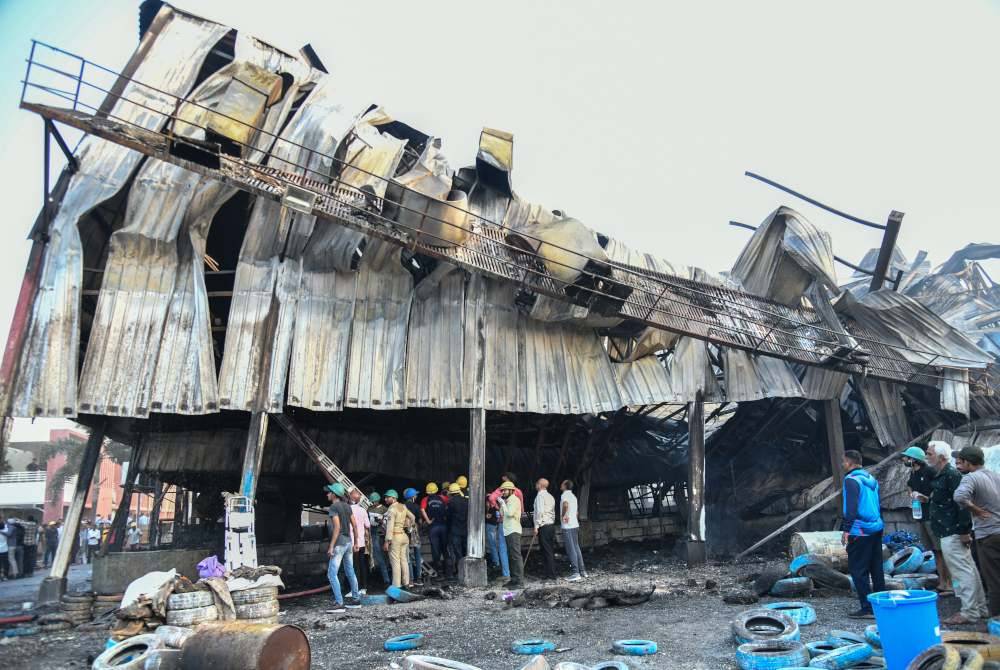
(472, 568)
(253, 454)
(696, 483)
(54, 586)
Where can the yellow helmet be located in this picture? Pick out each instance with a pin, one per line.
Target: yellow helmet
(455, 488)
(431, 489)
(507, 486)
(445, 486)
(462, 481)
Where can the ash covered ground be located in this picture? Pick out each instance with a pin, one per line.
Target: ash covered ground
(689, 622)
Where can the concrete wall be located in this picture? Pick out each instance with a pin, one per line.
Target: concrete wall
(114, 572)
(305, 562)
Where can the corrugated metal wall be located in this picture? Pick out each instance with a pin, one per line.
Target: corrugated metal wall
(169, 58)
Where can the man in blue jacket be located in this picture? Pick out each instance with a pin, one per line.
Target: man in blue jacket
(862, 532)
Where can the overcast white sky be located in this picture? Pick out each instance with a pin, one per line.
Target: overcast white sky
(638, 118)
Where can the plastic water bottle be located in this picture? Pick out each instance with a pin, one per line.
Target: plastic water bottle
(918, 511)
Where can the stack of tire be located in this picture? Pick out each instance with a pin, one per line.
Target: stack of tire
(905, 570)
(191, 608)
(78, 607)
(258, 605)
(103, 603)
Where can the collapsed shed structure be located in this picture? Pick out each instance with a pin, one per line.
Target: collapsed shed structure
(236, 239)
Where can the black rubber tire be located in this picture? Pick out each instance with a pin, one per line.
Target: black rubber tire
(771, 654)
(761, 625)
(792, 586)
(190, 600)
(258, 595)
(826, 577)
(262, 610)
(971, 659)
(115, 657)
(938, 657)
(762, 585)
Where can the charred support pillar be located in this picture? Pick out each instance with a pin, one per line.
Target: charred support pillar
(472, 569)
(834, 439)
(253, 454)
(54, 586)
(696, 483)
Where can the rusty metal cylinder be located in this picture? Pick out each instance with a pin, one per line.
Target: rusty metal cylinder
(236, 645)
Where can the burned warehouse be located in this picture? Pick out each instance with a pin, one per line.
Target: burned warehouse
(262, 285)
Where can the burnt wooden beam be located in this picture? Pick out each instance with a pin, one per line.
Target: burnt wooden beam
(834, 438)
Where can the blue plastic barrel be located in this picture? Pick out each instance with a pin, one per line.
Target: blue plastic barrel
(907, 624)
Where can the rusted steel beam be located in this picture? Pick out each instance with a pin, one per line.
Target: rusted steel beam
(885, 251)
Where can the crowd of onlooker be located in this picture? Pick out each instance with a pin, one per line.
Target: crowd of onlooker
(24, 545)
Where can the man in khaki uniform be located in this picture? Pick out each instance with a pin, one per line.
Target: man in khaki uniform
(397, 543)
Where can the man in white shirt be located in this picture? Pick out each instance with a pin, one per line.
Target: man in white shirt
(545, 525)
(93, 542)
(569, 519)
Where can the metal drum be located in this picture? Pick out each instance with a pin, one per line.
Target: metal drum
(247, 646)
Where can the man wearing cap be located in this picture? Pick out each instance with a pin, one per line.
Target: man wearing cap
(340, 549)
(952, 524)
(919, 484)
(434, 510)
(979, 492)
(510, 507)
(376, 520)
(398, 520)
(458, 526)
(416, 559)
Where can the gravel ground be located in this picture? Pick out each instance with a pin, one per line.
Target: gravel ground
(689, 622)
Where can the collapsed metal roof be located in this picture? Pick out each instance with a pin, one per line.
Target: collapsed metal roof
(327, 317)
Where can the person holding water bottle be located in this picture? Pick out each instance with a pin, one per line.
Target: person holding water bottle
(919, 483)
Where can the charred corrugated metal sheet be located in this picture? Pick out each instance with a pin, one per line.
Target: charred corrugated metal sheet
(644, 382)
(150, 348)
(376, 372)
(749, 377)
(920, 335)
(820, 384)
(954, 385)
(436, 374)
(269, 273)
(169, 59)
(784, 257)
(884, 403)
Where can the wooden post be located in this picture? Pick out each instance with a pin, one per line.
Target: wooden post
(253, 454)
(834, 439)
(54, 586)
(154, 515)
(696, 483)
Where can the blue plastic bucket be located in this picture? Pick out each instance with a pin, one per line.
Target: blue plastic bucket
(907, 624)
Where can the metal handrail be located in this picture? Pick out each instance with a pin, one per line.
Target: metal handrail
(663, 281)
